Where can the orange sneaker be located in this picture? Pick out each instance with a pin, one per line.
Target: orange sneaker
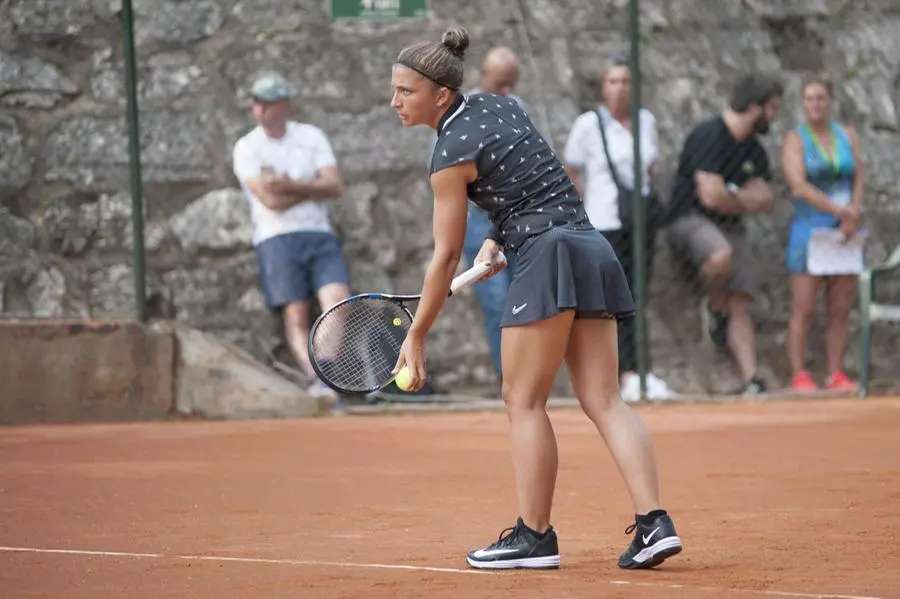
(838, 381)
(803, 383)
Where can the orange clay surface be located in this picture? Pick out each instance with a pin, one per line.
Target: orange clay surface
(781, 499)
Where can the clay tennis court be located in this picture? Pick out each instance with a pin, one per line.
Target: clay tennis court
(789, 499)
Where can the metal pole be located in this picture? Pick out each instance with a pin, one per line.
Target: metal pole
(640, 220)
(134, 149)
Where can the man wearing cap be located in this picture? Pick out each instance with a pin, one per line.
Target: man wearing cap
(289, 175)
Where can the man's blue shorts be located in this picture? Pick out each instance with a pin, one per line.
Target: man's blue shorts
(294, 266)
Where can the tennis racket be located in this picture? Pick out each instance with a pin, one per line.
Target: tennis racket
(355, 344)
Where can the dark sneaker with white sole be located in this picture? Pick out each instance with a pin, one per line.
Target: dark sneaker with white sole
(655, 540)
(518, 547)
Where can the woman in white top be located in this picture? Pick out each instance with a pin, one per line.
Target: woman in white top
(588, 166)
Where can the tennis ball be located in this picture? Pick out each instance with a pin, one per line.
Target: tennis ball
(402, 379)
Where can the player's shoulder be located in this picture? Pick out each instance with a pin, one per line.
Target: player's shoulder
(487, 103)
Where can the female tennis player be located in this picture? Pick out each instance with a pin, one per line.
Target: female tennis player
(564, 299)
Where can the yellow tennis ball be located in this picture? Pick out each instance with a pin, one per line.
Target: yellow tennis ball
(402, 379)
(397, 322)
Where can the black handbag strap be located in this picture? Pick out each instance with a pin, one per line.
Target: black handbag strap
(612, 169)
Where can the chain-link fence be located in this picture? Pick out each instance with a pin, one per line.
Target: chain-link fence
(66, 248)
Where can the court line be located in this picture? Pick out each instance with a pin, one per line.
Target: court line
(293, 562)
(765, 592)
(247, 560)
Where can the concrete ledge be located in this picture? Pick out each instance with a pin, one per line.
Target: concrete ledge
(64, 371)
(215, 379)
(75, 371)
(473, 403)
(54, 371)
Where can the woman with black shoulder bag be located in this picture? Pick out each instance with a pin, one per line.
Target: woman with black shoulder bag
(599, 157)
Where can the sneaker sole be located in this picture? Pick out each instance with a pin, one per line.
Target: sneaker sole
(547, 562)
(655, 554)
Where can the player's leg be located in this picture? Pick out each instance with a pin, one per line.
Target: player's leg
(285, 286)
(592, 361)
(804, 289)
(841, 291)
(532, 354)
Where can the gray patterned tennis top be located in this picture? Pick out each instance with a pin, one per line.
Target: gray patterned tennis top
(521, 183)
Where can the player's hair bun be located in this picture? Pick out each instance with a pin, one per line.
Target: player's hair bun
(456, 39)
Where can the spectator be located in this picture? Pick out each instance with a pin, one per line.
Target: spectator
(824, 170)
(599, 157)
(499, 75)
(723, 174)
(289, 175)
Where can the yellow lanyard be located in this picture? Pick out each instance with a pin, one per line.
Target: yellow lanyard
(834, 160)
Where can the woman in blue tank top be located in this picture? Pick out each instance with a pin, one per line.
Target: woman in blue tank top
(822, 166)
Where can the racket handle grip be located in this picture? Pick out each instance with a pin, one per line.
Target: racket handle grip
(470, 276)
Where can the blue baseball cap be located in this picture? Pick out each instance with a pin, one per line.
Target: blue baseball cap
(270, 87)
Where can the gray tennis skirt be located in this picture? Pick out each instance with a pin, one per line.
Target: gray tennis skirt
(567, 269)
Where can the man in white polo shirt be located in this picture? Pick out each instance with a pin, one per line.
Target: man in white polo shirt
(289, 175)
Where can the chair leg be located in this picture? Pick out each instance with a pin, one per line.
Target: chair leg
(865, 333)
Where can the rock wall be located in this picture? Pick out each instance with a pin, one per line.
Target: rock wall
(65, 217)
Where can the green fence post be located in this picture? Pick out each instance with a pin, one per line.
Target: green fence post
(640, 220)
(134, 149)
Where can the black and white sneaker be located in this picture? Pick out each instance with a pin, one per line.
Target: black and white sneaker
(653, 542)
(518, 547)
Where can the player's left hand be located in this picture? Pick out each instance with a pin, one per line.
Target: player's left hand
(412, 354)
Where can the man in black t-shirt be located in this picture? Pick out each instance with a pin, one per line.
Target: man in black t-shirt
(723, 174)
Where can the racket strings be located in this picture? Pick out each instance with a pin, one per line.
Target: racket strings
(356, 345)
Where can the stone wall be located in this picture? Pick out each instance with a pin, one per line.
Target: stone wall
(65, 216)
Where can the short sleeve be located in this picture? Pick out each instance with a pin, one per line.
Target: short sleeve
(455, 147)
(245, 161)
(697, 155)
(576, 151)
(323, 154)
